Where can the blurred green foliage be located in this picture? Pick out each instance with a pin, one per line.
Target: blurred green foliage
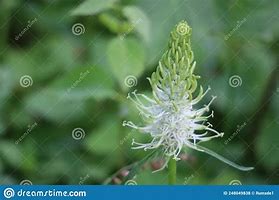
(78, 81)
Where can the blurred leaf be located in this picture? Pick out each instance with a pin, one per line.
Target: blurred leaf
(84, 82)
(2, 127)
(98, 172)
(104, 140)
(146, 177)
(267, 143)
(113, 23)
(43, 62)
(92, 7)
(1, 167)
(261, 23)
(275, 103)
(135, 169)
(30, 163)
(9, 4)
(52, 105)
(126, 58)
(5, 13)
(226, 178)
(252, 66)
(96, 51)
(6, 83)
(139, 21)
(66, 97)
(20, 117)
(7, 180)
(10, 153)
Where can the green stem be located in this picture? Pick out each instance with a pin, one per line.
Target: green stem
(172, 171)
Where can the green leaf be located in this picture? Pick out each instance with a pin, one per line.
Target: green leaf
(7, 180)
(104, 140)
(261, 23)
(52, 105)
(126, 58)
(6, 8)
(147, 177)
(138, 165)
(249, 69)
(6, 83)
(30, 163)
(114, 23)
(10, 153)
(267, 143)
(83, 83)
(66, 97)
(43, 62)
(92, 7)
(139, 21)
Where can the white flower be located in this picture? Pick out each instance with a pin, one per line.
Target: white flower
(171, 117)
(173, 127)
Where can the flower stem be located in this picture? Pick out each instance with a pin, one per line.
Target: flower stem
(172, 171)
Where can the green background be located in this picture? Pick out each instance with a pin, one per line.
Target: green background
(78, 81)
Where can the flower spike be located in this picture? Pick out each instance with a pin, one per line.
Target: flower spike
(170, 117)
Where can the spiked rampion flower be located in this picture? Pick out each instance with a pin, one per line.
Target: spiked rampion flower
(171, 116)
